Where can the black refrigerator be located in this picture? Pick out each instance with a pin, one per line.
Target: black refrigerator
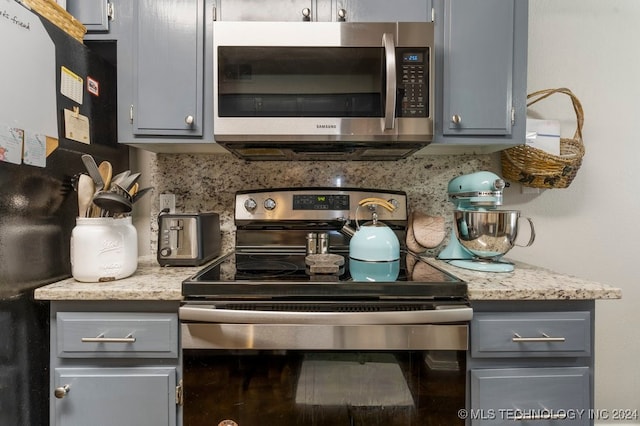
(38, 207)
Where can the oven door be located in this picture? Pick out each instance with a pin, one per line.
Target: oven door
(324, 372)
(323, 81)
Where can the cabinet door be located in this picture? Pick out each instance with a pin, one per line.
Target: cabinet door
(115, 396)
(94, 14)
(541, 396)
(259, 10)
(385, 10)
(168, 67)
(478, 67)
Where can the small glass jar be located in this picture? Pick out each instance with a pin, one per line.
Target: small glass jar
(103, 249)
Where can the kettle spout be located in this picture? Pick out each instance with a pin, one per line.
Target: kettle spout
(347, 230)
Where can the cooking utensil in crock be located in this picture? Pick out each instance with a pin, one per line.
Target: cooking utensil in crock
(112, 202)
(94, 172)
(140, 193)
(86, 190)
(106, 171)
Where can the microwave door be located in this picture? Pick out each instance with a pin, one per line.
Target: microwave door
(390, 98)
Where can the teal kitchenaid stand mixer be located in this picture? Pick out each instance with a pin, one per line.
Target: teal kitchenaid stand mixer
(481, 233)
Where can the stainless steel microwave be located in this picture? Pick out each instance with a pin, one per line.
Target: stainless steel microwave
(323, 90)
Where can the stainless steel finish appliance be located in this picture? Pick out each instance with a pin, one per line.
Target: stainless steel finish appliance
(188, 238)
(358, 91)
(267, 338)
(482, 233)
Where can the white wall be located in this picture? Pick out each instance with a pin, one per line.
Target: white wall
(591, 228)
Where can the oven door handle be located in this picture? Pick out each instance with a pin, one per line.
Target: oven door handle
(390, 103)
(210, 314)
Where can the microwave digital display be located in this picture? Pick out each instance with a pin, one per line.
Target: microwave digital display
(412, 57)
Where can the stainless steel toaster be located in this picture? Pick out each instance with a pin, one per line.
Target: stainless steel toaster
(188, 239)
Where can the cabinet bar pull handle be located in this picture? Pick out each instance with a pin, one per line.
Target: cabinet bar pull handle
(545, 338)
(541, 416)
(101, 339)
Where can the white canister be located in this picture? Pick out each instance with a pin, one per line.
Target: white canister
(103, 249)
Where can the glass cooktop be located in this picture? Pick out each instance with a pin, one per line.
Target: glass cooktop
(285, 276)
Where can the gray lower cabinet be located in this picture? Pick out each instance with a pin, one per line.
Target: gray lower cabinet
(142, 396)
(115, 363)
(531, 362)
(552, 396)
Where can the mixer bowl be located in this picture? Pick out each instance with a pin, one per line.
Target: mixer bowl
(487, 234)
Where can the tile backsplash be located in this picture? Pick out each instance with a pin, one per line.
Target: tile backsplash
(204, 182)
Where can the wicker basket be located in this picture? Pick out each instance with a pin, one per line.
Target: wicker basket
(539, 169)
(58, 16)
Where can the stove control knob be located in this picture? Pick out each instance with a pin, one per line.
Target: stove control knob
(250, 204)
(269, 204)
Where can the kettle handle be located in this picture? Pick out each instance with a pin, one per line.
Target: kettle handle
(371, 201)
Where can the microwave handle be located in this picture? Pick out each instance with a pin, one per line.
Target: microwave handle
(390, 105)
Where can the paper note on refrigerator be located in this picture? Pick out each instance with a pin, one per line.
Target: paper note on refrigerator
(11, 140)
(544, 135)
(27, 79)
(35, 149)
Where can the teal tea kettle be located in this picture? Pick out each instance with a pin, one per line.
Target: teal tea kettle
(374, 249)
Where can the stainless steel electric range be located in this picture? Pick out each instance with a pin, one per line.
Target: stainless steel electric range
(263, 310)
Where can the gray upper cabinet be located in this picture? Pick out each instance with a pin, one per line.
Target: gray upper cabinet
(168, 52)
(385, 11)
(481, 61)
(325, 10)
(94, 14)
(490, 81)
(259, 10)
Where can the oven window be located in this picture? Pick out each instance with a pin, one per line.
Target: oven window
(324, 388)
(300, 82)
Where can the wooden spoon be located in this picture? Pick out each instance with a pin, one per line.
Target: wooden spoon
(106, 171)
(86, 189)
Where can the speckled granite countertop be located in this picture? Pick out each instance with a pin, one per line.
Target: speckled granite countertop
(153, 282)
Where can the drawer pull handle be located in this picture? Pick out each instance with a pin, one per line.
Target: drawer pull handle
(101, 339)
(544, 415)
(545, 338)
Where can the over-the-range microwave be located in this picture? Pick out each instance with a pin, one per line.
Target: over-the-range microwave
(323, 90)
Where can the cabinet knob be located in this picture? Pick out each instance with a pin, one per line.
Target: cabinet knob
(342, 15)
(306, 14)
(61, 392)
(189, 120)
(227, 423)
(456, 119)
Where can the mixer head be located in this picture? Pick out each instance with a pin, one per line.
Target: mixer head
(474, 191)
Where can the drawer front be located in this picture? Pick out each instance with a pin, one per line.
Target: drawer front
(117, 335)
(540, 396)
(531, 334)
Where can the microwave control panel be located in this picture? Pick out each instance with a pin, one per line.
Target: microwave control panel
(413, 74)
